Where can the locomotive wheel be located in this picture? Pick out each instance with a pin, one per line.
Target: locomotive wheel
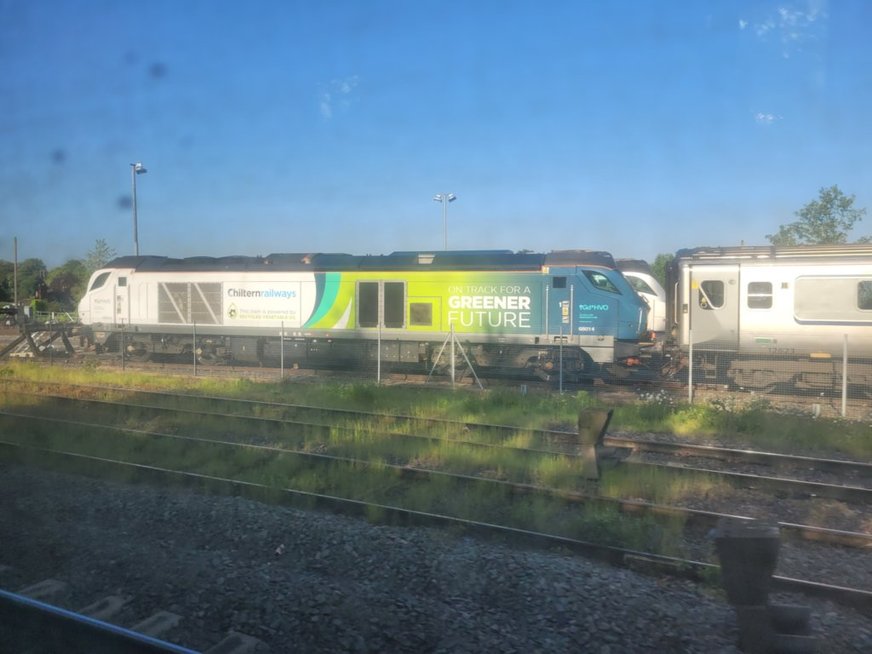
(207, 355)
(137, 351)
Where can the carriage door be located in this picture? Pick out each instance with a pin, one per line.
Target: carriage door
(714, 307)
(122, 301)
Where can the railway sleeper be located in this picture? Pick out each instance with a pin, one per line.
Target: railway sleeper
(36, 620)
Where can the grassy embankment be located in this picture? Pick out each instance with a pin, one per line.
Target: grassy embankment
(369, 441)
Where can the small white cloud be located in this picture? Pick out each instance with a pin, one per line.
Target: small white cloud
(337, 93)
(791, 26)
(762, 118)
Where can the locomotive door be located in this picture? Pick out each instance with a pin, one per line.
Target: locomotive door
(122, 302)
(714, 307)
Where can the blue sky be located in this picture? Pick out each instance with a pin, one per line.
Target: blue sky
(635, 127)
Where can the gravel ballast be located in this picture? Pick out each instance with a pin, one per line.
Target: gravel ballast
(304, 581)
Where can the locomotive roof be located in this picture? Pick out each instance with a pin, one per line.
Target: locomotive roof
(633, 265)
(408, 260)
(777, 252)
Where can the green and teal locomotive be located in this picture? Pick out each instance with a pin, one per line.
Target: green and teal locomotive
(509, 310)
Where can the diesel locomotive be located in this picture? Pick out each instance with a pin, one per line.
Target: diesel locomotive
(508, 310)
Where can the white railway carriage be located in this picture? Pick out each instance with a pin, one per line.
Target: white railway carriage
(761, 317)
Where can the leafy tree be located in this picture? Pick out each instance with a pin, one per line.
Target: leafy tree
(658, 268)
(31, 279)
(99, 256)
(66, 284)
(827, 220)
(7, 275)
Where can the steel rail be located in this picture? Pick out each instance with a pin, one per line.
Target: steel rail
(810, 488)
(640, 561)
(42, 624)
(706, 451)
(796, 486)
(772, 459)
(692, 517)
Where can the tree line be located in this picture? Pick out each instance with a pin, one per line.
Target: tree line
(828, 220)
(58, 289)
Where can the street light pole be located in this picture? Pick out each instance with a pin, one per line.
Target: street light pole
(445, 198)
(135, 169)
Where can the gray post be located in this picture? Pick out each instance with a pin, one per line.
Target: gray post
(560, 346)
(15, 275)
(845, 377)
(282, 351)
(378, 356)
(194, 345)
(690, 366)
(452, 355)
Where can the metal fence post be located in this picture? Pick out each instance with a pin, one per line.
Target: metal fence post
(845, 376)
(194, 345)
(690, 366)
(282, 351)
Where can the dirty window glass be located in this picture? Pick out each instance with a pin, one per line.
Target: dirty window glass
(711, 294)
(601, 282)
(760, 295)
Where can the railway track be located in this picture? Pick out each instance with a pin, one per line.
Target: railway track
(857, 488)
(858, 598)
(699, 519)
(618, 390)
(696, 520)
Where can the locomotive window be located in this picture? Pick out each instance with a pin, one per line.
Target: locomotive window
(558, 282)
(101, 279)
(367, 304)
(711, 294)
(601, 282)
(122, 281)
(385, 300)
(421, 314)
(864, 296)
(394, 299)
(640, 285)
(760, 295)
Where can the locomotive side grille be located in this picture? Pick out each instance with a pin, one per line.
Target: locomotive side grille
(188, 303)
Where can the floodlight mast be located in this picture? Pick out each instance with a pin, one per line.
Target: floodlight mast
(445, 198)
(135, 169)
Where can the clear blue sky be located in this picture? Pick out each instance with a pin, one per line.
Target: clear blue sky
(285, 126)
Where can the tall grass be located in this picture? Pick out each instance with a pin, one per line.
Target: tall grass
(746, 422)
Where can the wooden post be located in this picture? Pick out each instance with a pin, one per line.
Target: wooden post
(592, 427)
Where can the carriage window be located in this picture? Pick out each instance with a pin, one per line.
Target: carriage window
(711, 294)
(101, 279)
(760, 295)
(558, 282)
(601, 282)
(367, 304)
(864, 296)
(420, 314)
